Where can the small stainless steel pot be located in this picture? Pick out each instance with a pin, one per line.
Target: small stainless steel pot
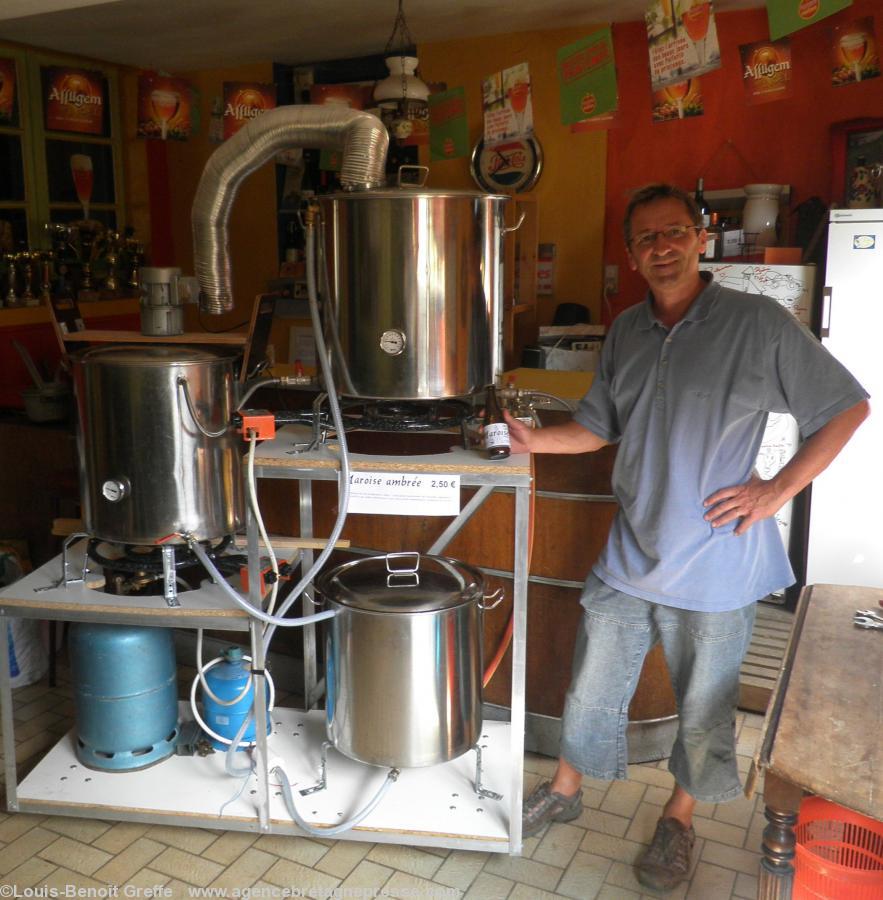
(403, 658)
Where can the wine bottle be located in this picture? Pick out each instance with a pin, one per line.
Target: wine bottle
(496, 431)
(702, 203)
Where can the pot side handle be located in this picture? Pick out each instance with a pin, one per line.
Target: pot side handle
(496, 597)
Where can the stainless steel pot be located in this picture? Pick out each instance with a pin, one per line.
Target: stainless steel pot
(147, 469)
(416, 278)
(403, 658)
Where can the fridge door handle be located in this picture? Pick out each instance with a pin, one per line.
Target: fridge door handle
(825, 324)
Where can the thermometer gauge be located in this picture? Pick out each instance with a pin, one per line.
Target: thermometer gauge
(392, 342)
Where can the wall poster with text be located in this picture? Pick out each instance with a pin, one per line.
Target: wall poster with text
(507, 104)
(243, 101)
(74, 100)
(788, 16)
(448, 128)
(682, 35)
(587, 78)
(766, 70)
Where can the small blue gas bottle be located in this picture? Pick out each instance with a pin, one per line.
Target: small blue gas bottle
(226, 680)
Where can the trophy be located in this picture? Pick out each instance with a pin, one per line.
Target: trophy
(11, 299)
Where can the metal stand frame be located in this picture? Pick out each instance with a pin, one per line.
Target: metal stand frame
(47, 594)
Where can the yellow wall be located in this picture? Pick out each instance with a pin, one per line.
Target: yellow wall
(252, 226)
(570, 192)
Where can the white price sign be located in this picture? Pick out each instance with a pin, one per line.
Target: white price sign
(404, 494)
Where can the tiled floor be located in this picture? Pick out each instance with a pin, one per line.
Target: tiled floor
(589, 858)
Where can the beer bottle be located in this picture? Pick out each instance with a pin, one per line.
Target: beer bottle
(702, 203)
(496, 431)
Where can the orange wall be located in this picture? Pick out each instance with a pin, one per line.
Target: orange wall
(570, 192)
(732, 144)
(252, 227)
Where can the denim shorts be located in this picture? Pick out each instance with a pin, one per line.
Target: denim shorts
(704, 652)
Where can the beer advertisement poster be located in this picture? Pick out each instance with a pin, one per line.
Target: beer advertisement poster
(766, 70)
(682, 38)
(448, 129)
(787, 16)
(856, 56)
(349, 96)
(680, 100)
(587, 78)
(507, 104)
(8, 106)
(74, 100)
(164, 107)
(243, 101)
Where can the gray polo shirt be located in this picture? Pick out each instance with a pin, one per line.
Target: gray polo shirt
(688, 408)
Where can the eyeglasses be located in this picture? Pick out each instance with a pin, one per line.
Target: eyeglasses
(674, 233)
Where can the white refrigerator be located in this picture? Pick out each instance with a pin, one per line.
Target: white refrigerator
(846, 505)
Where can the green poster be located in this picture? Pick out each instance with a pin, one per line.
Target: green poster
(587, 78)
(448, 130)
(787, 16)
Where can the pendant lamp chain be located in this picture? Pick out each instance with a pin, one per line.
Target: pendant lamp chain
(405, 41)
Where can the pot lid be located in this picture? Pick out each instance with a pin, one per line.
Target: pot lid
(402, 583)
(151, 354)
(411, 193)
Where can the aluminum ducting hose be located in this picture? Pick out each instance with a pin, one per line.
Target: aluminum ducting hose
(361, 136)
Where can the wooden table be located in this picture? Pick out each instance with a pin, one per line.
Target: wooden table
(823, 728)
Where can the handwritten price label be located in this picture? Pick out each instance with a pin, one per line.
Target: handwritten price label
(404, 494)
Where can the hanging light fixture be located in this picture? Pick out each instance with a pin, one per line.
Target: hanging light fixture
(401, 96)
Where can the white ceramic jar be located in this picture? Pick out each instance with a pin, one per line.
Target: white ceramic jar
(761, 213)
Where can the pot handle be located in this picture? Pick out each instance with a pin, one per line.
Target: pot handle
(496, 597)
(408, 574)
(421, 183)
(516, 226)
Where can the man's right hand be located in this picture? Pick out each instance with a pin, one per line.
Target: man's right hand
(569, 437)
(519, 433)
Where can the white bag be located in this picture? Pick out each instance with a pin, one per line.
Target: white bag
(28, 660)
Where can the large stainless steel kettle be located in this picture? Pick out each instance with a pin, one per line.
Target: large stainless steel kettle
(158, 452)
(416, 287)
(403, 658)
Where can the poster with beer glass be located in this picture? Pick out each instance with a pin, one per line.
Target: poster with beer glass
(164, 107)
(682, 38)
(855, 53)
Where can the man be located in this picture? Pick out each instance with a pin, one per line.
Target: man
(685, 384)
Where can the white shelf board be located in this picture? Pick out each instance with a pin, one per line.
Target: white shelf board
(433, 806)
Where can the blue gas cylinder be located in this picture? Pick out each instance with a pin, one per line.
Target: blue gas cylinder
(226, 680)
(125, 694)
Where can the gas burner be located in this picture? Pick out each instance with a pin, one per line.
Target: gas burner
(406, 415)
(138, 569)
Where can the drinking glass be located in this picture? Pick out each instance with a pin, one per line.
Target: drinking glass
(165, 106)
(854, 46)
(81, 171)
(518, 94)
(677, 93)
(696, 20)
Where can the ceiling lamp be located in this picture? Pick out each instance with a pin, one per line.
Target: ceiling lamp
(401, 96)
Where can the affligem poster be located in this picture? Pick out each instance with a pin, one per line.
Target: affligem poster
(682, 38)
(164, 107)
(243, 101)
(74, 99)
(766, 70)
(855, 53)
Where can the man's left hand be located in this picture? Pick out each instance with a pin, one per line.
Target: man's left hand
(755, 500)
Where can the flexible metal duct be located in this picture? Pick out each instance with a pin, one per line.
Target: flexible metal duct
(360, 135)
